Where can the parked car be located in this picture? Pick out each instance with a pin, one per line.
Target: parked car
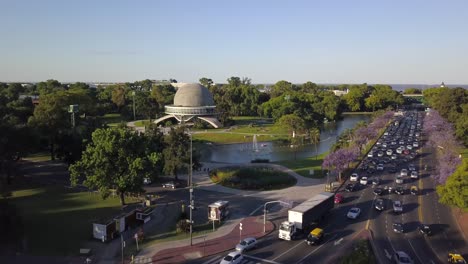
(171, 185)
(247, 244)
(353, 213)
(234, 257)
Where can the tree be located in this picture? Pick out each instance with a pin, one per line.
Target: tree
(163, 95)
(315, 138)
(49, 86)
(338, 161)
(281, 88)
(206, 82)
(412, 91)
(176, 153)
(117, 158)
(292, 122)
(118, 96)
(455, 190)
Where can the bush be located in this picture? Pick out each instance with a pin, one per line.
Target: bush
(259, 178)
(182, 226)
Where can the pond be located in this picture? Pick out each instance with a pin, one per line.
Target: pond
(273, 151)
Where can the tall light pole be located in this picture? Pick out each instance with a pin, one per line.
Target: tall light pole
(191, 189)
(134, 116)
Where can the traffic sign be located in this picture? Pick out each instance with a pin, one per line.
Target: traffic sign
(240, 226)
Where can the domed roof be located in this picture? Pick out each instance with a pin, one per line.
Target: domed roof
(193, 94)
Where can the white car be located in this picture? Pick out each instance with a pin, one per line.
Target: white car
(389, 152)
(246, 244)
(397, 207)
(380, 154)
(410, 147)
(146, 181)
(363, 181)
(414, 175)
(353, 213)
(354, 177)
(403, 172)
(370, 154)
(234, 257)
(399, 150)
(399, 179)
(394, 157)
(415, 144)
(380, 167)
(403, 258)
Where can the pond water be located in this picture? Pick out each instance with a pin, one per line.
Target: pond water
(273, 151)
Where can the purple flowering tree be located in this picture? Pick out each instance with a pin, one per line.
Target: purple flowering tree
(339, 160)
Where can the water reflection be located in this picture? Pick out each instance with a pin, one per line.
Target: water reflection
(245, 152)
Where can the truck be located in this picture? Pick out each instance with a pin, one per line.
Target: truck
(306, 215)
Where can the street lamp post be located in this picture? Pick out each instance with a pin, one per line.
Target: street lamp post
(134, 116)
(289, 205)
(191, 190)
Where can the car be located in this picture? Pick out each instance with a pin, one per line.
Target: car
(399, 179)
(399, 150)
(456, 258)
(246, 244)
(402, 258)
(425, 229)
(379, 205)
(370, 154)
(375, 181)
(403, 172)
(380, 154)
(350, 187)
(414, 190)
(315, 236)
(380, 167)
(378, 191)
(400, 190)
(411, 167)
(398, 227)
(234, 257)
(147, 181)
(338, 198)
(170, 185)
(415, 144)
(353, 213)
(410, 147)
(363, 181)
(397, 207)
(406, 152)
(394, 157)
(389, 152)
(414, 175)
(354, 177)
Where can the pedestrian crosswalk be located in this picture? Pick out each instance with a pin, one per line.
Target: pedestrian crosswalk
(142, 260)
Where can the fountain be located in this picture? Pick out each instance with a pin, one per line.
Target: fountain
(254, 144)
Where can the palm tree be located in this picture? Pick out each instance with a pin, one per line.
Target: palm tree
(315, 138)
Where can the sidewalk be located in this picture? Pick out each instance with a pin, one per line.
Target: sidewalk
(225, 238)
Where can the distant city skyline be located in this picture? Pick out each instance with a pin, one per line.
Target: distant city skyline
(327, 42)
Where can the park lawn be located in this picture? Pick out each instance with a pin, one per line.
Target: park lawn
(58, 221)
(303, 166)
(112, 119)
(228, 137)
(142, 123)
(246, 120)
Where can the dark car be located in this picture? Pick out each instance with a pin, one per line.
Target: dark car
(392, 169)
(350, 187)
(378, 191)
(379, 205)
(398, 228)
(400, 190)
(425, 229)
(171, 185)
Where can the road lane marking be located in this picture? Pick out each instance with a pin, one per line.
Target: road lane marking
(298, 244)
(387, 254)
(415, 252)
(211, 260)
(262, 260)
(254, 211)
(313, 251)
(338, 241)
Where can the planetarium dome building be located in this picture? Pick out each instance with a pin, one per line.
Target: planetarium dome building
(192, 101)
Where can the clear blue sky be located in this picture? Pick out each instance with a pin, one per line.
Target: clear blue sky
(326, 41)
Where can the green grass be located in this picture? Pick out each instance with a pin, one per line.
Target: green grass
(112, 119)
(142, 123)
(228, 137)
(58, 221)
(464, 153)
(303, 166)
(247, 120)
